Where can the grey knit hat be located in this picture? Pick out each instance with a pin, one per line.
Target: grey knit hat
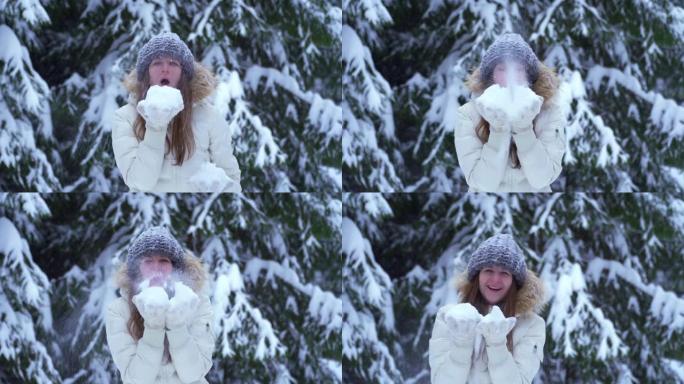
(500, 250)
(165, 44)
(509, 46)
(154, 240)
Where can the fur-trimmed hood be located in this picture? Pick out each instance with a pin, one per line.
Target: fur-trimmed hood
(531, 296)
(546, 85)
(203, 84)
(194, 275)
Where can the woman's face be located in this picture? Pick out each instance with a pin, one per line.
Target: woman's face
(517, 73)
(165, 71)
(494, 284)
(156, 268)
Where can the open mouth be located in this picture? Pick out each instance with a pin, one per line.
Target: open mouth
(164, 82)
(494, 289)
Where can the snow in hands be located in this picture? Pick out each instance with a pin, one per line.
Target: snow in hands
(463, 311)
(158, 309)
(181, 307)
(513, 100)
(183, 293)
(160, 105)
(165, 97)
(154, 296)
(172, 287)
(152, 303)
(495, 326)
(494, 316)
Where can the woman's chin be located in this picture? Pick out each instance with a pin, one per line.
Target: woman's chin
(493, 300)
(157, 282)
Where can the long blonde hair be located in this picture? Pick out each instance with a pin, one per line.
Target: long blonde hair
(181, 144)
(473, 296)
(136, 323)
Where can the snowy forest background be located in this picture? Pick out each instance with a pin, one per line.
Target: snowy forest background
(275, 281)
(612, 264)
(620, 63)
(62, 63)
(338, 98)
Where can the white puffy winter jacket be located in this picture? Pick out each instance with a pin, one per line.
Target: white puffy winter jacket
(451, 363)
(140, 362)
(144, 165)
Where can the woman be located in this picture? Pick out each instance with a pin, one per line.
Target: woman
(463, 350)
(534, 140)
(158, 146)
(153, 339)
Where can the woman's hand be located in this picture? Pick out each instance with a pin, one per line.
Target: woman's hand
(181, 307)
(495, 116)
(160, 106)
(461, 320)
(462, 330)
(152, 303)
(525, 117)
(495, 327)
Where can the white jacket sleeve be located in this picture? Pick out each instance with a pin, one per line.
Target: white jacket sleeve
(522, 365)
(137, 362)
(483, 164)
(191, 347)
(221, 150)
(541, 154)
(449, 362)
(140, 163)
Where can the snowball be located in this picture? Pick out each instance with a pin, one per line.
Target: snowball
(494, 316)
(183, 292)
(462, 311)
(512, 100)
(164, 97)
(154, 296)
(210, 178)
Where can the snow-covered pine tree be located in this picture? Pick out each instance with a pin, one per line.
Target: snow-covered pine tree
(368, 142)
(612, 264)
(274, 267)
(25, 311)
(278, 276)
(27, 147)
(368, 335)
(619, 63)
(277, 63)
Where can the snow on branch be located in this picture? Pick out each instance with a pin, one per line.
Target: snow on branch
(665, 113)
(324, 306)
(666, 306)
(571, 309)
(232, 308)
